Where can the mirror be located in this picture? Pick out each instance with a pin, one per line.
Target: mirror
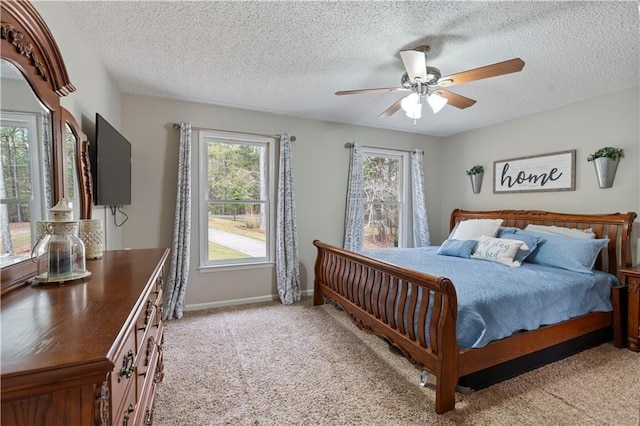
(72, 172)
(25, 169)
(48, 144)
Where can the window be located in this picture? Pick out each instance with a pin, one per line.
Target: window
(385, 193)
(19, 185)
(236, 189)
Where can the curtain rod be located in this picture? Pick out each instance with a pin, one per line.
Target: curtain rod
(350, 145)
(293, 138)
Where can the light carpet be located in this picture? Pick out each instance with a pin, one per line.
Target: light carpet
(271, 364)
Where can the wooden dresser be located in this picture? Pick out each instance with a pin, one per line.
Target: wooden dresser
(86, 352)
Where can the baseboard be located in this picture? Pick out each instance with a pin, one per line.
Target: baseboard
(245, 301)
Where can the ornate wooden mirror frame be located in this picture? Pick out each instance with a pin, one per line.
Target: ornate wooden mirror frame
(81, 163)
(29, 45)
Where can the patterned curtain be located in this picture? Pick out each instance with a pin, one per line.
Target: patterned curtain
(420, 223)
(176, 282)
(354, 215)
(287, 262)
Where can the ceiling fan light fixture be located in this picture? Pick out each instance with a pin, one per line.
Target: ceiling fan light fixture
(410, 103)
(436, 102)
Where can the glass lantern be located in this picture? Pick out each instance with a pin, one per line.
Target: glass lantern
(59, 252)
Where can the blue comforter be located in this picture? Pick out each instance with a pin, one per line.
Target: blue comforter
(495, 300)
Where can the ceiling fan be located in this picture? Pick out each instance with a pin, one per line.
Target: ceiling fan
(427, 84)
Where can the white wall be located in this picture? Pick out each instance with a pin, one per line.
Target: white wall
(611, 120)
(95, 91)
(320, 166)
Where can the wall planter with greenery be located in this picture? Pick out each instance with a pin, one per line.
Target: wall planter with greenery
(475, 174)
(605, 161)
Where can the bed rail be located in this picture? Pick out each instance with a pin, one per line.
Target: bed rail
(396, 303)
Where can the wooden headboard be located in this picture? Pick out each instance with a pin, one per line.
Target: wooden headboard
(614, 226)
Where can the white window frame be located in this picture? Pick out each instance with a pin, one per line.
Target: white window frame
(36, 202)
(404, 228)
(203, 201)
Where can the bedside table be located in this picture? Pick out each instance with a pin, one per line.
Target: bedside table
(630, 277)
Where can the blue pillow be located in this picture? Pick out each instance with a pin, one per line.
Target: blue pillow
(506, 231)
(573, 254)
(531, 241)
(457, 248)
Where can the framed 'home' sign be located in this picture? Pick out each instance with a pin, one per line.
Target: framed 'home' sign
(546, 172)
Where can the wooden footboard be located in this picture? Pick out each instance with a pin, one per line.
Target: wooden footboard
(396, 303)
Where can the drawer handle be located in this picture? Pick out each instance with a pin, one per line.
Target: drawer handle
(151, 343)
(150, 306)
(158, 375)
(159, 284)
(161, 309)
(127, 365)
(127, 415)
(148, 417)
(149, 314)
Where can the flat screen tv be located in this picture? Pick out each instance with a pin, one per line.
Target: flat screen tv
(110, 155)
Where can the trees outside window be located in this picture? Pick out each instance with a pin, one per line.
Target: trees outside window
(385, 194)
(236, 191)
(19, 185)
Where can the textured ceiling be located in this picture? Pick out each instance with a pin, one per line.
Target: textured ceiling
(291, 57)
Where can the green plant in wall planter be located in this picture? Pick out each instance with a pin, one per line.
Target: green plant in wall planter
(605, 161)
(475, 174)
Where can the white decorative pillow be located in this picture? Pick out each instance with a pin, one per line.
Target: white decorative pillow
(473, 229)
(500, 250)
(586, 234)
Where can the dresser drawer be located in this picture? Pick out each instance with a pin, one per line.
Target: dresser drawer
(148, 380)
(147, 357)
(150, 316)
(124, 373)
(144, 413)
(128, 411)
(148, 323)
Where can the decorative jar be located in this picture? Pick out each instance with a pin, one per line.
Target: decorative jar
(59, 252)
(92, 236)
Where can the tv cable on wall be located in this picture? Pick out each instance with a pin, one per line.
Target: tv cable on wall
(117, 209)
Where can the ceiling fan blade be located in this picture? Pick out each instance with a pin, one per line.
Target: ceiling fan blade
(392, 109)
(500, 68)
(416, 64)
(454, 99)
(380, 90)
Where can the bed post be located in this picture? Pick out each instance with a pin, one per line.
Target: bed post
(318, 298)
(447, 350)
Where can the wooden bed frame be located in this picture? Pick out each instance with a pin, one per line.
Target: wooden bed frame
(362, 287)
